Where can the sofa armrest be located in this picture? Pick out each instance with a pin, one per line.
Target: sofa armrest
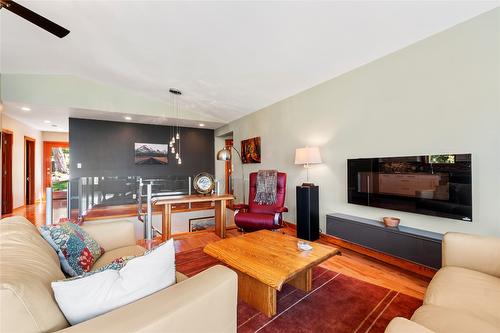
(111, 235)
(204, 303)
(478, 253)
(403, 325)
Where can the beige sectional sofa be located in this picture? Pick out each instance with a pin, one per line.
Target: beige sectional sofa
(206, 302)
(464, 295)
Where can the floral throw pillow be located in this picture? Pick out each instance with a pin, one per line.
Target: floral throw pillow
(116, 264)
(76, 249)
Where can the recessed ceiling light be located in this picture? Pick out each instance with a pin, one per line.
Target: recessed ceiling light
(127, 118)
(53, 125)
(25, 108)
(201, 125)
(47, 121)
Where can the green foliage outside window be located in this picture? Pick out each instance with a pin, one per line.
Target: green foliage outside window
(442, 159)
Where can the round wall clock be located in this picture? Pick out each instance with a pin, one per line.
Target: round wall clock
(204, 183)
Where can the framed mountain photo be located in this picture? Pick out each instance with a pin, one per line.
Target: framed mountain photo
(151, 154)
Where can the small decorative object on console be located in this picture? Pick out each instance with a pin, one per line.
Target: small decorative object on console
(303, 246)
(391, 221)
(204, 183)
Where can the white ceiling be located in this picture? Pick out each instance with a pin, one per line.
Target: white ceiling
(228, 58)
(56, 119)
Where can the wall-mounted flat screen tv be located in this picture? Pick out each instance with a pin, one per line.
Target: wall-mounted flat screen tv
(437, 185)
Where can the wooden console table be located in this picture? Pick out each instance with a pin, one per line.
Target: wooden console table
(220, 210)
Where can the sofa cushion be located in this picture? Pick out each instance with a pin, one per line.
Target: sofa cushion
(467, 291)
(28, 266)
(111, 234)
(251, 221)
(99, 292)
(403, 325)
(110, 256)
(445, 320)
(77, 250)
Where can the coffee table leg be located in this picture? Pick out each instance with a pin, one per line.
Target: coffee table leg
(257, 294)
(303, 280)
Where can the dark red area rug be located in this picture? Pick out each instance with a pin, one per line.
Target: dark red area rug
(337, 303)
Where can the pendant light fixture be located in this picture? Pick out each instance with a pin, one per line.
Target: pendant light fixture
(175, 142)
(171, 132)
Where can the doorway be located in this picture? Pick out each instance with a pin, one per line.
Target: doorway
(7, 140)
(29, 170)
(56, 168)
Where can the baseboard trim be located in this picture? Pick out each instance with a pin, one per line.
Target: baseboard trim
(395, 261)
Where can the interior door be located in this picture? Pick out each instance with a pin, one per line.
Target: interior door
(7, 140)
(29, 158)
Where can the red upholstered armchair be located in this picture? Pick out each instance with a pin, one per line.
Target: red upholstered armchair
(255, 216)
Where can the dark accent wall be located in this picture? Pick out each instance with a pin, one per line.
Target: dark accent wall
(106, 148)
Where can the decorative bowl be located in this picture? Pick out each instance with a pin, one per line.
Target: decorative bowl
(391, 221)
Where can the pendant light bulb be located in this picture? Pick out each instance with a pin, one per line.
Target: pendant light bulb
(170, 144)
(177, 136)
(179, 161)
(177, 155)
(172, 150)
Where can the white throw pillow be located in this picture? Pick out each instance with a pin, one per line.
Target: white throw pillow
(83, 298)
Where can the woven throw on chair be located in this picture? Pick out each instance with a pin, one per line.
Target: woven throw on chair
(267, 181)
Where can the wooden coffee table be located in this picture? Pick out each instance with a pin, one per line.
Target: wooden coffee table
(264, 261)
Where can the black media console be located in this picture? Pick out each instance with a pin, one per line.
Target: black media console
(419, 246)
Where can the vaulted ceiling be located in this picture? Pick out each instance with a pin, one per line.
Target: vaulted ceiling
(228, 58)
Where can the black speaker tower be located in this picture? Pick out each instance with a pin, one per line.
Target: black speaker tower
(308, 212)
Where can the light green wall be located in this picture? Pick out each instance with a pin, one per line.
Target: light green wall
(75, 92)
(440, 95)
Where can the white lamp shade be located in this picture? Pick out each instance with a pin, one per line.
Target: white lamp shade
(307, 155)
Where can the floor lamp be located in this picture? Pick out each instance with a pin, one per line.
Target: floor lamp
(225, 155)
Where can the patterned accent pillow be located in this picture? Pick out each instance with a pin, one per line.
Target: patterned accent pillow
(76, 249)
(116, 265)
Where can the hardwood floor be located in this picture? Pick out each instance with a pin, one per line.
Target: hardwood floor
(350, 263)
(36, 212)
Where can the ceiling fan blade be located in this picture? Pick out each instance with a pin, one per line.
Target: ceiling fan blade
(34, 18)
